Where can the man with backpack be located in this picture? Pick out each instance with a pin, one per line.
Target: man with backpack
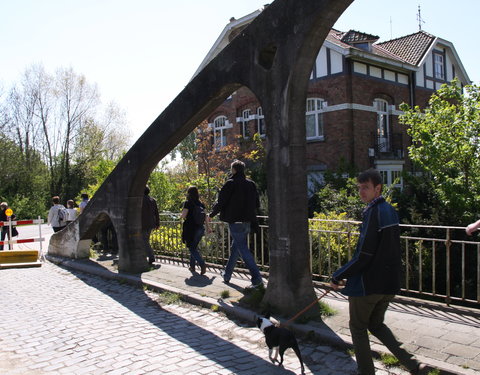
(237, 203)
(57, 215)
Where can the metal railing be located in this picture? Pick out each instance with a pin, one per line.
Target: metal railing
(439, 262)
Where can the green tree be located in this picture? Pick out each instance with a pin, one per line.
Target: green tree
(446, 144)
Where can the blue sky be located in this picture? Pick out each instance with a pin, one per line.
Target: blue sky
(142, 53)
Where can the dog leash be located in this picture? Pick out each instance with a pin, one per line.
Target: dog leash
(288, 322)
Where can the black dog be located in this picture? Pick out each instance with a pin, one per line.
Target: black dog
(278, 338)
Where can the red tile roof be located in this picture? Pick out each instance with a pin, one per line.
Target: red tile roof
(410, 48)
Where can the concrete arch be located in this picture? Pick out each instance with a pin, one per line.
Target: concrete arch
(273, 57)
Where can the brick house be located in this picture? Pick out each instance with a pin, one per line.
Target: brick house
(352, 108)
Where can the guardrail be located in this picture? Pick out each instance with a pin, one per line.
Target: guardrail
(439, 262)
(13, 223)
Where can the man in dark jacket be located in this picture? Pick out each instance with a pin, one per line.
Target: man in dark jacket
(237, 203)
(150, 221)
(373, 276)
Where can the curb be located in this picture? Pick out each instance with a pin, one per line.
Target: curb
(321, 334)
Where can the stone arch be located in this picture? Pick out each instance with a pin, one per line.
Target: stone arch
(273, 57)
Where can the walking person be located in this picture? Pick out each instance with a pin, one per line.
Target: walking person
(57, 215)
(84, 202)
(5, 230)
(150, 221)
(71, 211)
(237, 204)
(373, 277)
(193, 228)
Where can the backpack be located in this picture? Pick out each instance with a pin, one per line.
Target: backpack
(62, 215)
(198, 215)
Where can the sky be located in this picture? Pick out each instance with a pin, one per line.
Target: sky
(142, 53)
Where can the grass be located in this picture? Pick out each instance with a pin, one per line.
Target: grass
(170, 298)
(389, 360)
(253, 298)
(225, 294)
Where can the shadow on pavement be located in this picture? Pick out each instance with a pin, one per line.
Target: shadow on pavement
(221, 351)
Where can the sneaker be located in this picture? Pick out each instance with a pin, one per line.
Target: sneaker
(222, 273)
(203, 269)
(255, 285)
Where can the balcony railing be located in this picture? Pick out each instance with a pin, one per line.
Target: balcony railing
(387, 147)
(439, 262)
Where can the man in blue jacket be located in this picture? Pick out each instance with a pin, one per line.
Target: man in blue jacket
(237, 203)
(373, 277)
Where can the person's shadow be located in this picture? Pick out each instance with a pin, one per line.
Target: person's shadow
(199, 280)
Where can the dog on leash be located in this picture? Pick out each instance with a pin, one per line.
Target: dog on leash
(278, 339)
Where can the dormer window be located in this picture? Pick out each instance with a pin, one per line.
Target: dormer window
(364, 46)
(359, 40)
(438, 66)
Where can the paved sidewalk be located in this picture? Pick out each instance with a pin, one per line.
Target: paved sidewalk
(447, 339)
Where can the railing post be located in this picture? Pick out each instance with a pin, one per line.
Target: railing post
(447, 249)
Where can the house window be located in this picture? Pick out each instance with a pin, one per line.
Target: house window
(220, 125)
(244, 123)
(391, 175)
(438, 66)
(383, 126)
(314, 118)
(260, 122)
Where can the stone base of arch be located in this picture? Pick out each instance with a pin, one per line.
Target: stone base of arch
(67, 243)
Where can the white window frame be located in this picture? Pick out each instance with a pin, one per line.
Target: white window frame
(260, 122)
(244, 120)
(383, 124)
(438, 65)
(389, 173)
(220, 124)
(314, 110)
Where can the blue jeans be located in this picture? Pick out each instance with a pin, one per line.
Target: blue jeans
(194, 253)
(239, 233)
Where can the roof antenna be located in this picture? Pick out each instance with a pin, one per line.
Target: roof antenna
(391, 33)
(420, 19)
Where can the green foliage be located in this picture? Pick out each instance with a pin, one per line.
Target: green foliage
(170, 298)
(338, 198)
(23, 182)
(99, 173)
(389, 360)
(168, 239)
(334, 240)
(164, 191)
(225, 294)
(446, 144)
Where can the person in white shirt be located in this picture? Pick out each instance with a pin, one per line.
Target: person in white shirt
(54, 218)
(71, 211)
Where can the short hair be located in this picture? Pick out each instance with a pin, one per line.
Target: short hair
(370, 175)
(84, 196)
(238, 165)
(56, 199)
